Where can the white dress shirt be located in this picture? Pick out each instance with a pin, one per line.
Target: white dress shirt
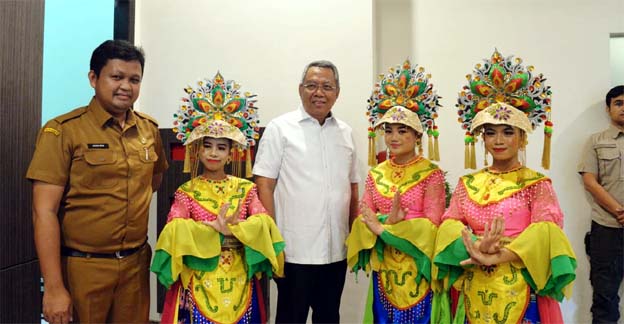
(315, 166)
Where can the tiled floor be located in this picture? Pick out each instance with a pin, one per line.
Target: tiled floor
(353, 299)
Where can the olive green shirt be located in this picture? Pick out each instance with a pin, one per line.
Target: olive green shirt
(602, 156)
(107, 174)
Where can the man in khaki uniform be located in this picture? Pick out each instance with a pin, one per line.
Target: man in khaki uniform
(602, 170)
(94, 171)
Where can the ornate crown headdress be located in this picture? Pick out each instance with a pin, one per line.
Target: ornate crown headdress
(408, 88)
(516, 96)
(216, 108)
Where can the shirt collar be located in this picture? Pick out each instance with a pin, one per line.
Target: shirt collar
(614, 131)
(303, 115)
(103, 117)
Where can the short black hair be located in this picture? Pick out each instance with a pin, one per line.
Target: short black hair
(614, 92)
(115, 49)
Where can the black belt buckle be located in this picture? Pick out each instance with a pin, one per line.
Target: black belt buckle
(125, 253)
(115, 255)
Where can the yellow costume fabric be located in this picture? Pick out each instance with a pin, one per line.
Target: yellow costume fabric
(216, 275)
(401, 255)
(502, 292)
(485, 188)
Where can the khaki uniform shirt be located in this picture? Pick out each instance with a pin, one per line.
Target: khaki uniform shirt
(603, 156)
(107, 174)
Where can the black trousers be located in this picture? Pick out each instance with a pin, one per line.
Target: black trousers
(606, 259)
(310, 285)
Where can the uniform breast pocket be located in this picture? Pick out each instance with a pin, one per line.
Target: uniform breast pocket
(101, 170)
(610, 161)
(145, 167)
(147, 155)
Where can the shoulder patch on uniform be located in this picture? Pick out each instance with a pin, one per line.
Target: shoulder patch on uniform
(146, 116)
(70, 115)
(51, 130)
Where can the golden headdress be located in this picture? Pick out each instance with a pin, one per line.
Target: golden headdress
(503, 91)
(404, 96)
(400, 115)
(500, 113)
(216, 108)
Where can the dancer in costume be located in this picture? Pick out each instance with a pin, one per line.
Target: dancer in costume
(403, 200)
(516, 262)
(218, 239)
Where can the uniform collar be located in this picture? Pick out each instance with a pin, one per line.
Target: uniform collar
(103, 117)
(614, 131)
(303, 115)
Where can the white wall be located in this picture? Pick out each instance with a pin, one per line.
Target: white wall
(393, 33)
(616, 45)
(264, 45)
(567, 41)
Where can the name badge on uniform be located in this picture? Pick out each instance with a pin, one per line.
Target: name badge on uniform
(97, 145)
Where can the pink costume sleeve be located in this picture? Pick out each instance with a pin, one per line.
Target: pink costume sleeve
(434, 199)
(455, 210)
(179, 208)
(252, 205)
(185, 207)
(535, 203)
(427, 199)
(367, 196)
(544, 205)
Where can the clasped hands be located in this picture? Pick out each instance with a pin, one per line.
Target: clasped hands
(396, 215)
(487, 250)
(220, 224)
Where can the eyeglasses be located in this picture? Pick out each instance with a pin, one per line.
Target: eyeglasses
(312, 87)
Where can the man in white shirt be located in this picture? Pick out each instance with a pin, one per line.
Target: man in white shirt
(307, 178)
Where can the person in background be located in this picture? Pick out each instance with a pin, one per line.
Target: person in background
(601, 169)
(307, 178)
(94, 170)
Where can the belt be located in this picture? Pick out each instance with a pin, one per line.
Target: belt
(230, 242)
(65, 251)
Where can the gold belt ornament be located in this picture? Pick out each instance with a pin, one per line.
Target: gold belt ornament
(495, 294)
(397, 279)
(223, 295)
(231, 242)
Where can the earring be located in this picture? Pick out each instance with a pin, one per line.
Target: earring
(420, 148)
(522, 156)
(485, 158)
(522, 150)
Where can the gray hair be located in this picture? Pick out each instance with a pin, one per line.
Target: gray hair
(322, 64)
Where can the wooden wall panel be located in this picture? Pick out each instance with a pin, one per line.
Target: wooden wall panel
(21, 293)
(124, 20)
(21, 56)
(21, 23)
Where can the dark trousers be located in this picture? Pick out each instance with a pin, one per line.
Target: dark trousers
(606, 258)
(310, 285)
